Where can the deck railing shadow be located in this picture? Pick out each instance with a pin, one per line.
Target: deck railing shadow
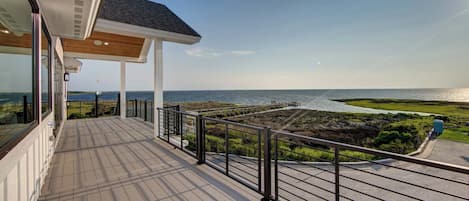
(134, 139)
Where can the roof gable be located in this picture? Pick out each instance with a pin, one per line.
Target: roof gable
(146, 14)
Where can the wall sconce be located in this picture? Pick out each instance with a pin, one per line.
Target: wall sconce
(66, 77)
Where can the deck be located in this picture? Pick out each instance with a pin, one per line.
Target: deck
(114, 159)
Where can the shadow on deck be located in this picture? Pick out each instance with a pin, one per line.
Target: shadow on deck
(114, 159)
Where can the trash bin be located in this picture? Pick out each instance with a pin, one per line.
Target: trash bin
(438, 126)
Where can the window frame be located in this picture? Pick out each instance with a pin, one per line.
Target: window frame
(36, 29)
(46, 33)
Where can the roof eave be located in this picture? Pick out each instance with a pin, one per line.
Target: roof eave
(138, 31)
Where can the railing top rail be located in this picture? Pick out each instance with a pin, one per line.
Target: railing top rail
(181, 112)
(420, 161)
(233, 123)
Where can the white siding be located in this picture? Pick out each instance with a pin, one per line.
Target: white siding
(2, 190)
(23, 179)
(23, 169)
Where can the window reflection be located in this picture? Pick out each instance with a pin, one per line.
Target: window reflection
(45, 74)
(16, 85)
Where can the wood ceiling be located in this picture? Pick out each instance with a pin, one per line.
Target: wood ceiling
(119, 45)
(24, 41)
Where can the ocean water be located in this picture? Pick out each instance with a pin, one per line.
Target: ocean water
(310, 99)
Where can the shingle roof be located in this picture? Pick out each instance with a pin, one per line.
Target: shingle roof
(144, 13)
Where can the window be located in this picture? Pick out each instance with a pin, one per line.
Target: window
(16, 72)
(58, 93)
(45, 72)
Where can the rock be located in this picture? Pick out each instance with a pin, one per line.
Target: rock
(467, 123)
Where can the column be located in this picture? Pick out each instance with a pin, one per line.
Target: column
(123, 99)
(157, 82)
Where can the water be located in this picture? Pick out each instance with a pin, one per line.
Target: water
(310, 99)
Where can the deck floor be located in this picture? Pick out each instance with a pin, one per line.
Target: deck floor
(114, 159)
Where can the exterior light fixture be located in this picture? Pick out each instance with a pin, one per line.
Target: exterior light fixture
(5, 31)
(98, 42)
(106, 43)
(66, 77)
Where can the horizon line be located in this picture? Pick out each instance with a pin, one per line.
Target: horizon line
(304, 89)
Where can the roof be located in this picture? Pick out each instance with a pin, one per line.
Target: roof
(144, 13)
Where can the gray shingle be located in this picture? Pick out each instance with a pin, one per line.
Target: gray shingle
(146, 14)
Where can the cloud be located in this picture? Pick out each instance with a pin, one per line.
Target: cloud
(243, 52)
(211, 53)
(203, 52)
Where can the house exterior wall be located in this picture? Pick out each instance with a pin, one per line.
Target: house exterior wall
(23, 170)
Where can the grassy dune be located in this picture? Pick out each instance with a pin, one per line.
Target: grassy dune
(455, 114)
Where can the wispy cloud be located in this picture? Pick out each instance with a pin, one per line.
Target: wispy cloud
(211, 53)
(203, 52)
(243, 52)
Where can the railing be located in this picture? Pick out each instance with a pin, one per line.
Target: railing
(90, 109)
(306, 168)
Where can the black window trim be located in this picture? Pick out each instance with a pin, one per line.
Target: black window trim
(46, 33)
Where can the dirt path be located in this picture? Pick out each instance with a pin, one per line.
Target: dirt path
(294, 117)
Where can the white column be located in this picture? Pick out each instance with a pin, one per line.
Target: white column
(123, 100)
(157, 82)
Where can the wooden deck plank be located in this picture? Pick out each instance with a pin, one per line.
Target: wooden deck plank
(113, 159)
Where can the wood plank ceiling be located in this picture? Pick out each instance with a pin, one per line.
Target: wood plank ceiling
(101, 43)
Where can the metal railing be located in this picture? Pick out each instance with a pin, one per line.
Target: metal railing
(306, 168)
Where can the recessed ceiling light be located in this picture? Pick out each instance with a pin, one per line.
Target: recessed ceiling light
(98, 42)
(106, 43)
(5, 31)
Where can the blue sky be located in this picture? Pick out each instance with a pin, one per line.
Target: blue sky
(306, 44)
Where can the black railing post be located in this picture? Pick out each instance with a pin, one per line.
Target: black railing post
(276, 166)
(96, 105)
(118, 106)
(145, 113)
(167, 129)
(135, 107)
(159, 122)
(337, 175)
(267, 166)
(259, 161)
(25, 109)
(200, 139)
(227, 149)
(179, 120)
(152, 113)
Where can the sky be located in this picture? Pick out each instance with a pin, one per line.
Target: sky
(305, 44)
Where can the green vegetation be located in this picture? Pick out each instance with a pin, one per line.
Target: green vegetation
(456, 134)
(245, 143)
(196, 106)
(399, 133)
(240, 110)
(455, 114)
(86, 109)
(455, 109)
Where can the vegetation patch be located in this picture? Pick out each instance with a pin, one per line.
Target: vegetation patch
(454, 114)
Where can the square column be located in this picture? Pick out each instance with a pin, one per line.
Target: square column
(123, 99)
(157, 82)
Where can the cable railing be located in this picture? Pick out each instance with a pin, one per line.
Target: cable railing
(307, 168)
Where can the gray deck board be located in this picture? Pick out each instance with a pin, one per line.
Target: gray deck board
(114, 159)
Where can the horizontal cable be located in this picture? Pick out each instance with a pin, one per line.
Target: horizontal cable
(306, 191)
(407, 170)
(404, 182)
(309, 165)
